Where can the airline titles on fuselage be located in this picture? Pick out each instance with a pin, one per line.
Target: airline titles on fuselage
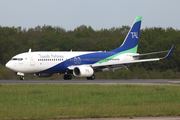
(50, 56)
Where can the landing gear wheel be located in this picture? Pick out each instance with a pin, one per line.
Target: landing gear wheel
(21, 77)
(91, 78)
(67, 77)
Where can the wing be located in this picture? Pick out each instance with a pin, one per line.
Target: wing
(112, 66)
(123, 64)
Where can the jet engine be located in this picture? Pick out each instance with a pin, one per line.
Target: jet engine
(83, 71)
(43, 74)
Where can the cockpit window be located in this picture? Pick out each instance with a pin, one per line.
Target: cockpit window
(19, 59)
(14, 59)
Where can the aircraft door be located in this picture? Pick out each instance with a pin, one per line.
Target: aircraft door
(32, 62)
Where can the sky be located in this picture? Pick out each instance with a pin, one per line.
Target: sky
(99, 14)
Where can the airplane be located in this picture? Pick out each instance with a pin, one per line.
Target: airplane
(79, 63)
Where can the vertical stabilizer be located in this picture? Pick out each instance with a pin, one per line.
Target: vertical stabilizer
(131, 41)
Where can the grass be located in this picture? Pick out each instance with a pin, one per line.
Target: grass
(55, 101)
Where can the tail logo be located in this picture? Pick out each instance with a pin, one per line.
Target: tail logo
(134, 34)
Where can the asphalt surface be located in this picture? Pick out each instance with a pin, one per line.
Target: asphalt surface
(143, 82)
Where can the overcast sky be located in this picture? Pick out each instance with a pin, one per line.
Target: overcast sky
(69, 14)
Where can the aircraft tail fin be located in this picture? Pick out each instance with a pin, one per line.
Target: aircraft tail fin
(130, 43)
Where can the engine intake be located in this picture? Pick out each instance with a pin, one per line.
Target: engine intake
(83, 71)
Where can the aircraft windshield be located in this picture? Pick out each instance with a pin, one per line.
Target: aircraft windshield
(17, 59)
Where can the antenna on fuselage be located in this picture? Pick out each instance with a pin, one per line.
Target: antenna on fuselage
(29, 50)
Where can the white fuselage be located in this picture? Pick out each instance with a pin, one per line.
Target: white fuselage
(58, 62)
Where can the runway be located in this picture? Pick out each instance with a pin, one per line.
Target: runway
(104, 82)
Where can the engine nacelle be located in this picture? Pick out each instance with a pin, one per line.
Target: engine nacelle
(43, 74)
(83, 71)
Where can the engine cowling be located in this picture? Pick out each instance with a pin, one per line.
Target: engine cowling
(83, 71)
(43, 74)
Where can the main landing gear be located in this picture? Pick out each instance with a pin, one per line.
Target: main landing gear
(67, 77)
(91, 78)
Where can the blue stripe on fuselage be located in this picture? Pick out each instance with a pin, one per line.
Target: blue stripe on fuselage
(89, 58)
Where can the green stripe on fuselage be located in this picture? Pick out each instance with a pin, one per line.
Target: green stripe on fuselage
(133, 50)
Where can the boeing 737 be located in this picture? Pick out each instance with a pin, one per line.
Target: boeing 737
(82, 64)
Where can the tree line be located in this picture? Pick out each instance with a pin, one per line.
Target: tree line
(15, 40)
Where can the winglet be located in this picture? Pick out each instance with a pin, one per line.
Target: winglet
(169, 53)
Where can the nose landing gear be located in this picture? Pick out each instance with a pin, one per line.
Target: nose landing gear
(21, 77)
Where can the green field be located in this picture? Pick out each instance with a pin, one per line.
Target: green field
(54, 101)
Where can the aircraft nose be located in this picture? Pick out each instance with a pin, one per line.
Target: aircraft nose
(9, 65)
